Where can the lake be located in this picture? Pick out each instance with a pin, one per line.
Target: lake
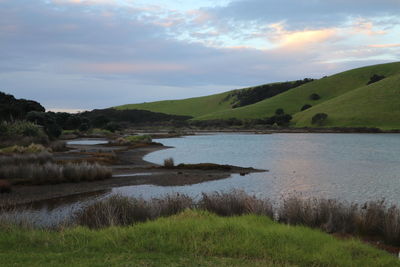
(348, 167)
(351, 167)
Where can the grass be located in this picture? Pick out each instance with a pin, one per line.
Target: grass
(327, 88)
(32, 148)
(345, 97)
(39, 168)
(194, 107)
(133, 139)
(51, 173)
(21, 133)
(191, 238)
(372, 220)
(26, 158)
(169, 163)
(375, 105)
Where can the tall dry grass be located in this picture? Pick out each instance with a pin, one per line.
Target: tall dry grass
(51, 173)
(29, 158)
(119, 211)
(373, 219)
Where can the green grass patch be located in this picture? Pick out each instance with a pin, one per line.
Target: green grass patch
(194, 107)
(192, 238)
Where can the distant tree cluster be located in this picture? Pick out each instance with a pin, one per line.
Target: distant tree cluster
(306, 106)
(319, 119)
(253, 95)
(375, 78)
(109, 119)
(314, 96)
(12, 109)
(53, 124)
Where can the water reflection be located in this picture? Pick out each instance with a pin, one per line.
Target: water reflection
(348, 167)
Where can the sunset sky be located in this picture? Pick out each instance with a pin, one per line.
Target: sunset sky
(77, 54)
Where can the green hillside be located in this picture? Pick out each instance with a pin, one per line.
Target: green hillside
(375, 105)
(195, 107)
(292, 101)
(345, 97)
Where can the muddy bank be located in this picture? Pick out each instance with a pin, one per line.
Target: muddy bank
(129, 169)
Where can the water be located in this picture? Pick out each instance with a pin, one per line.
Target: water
(351, 167)
(87, 142)
(348, 167)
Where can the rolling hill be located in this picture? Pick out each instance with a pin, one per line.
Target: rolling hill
(345, 97)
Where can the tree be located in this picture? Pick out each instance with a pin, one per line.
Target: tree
(314, 96)
(375, 78)
(279, 111)
(306, 106)
(319, 119)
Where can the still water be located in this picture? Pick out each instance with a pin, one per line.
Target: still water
(352, 167)
(348, 167)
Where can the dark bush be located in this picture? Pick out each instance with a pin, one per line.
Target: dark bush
(255, 94)
(306, 106)
(319, 119)
(375, 78)
(84, 127)
(16, 109)
(314, 96)
(279, 111)
(112, 126)
(47, 121)
(5, 186)
(282, 120)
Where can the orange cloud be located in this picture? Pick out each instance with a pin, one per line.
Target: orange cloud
(300, 39)
(366, 27)
(126, 68)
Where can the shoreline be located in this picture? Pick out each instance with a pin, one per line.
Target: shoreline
(131, 170)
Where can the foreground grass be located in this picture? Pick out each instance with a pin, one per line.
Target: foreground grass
(191, 238)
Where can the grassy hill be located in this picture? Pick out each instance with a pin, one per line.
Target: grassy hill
(375, 105)
(192, 238)
(345, 97)
(195, 107)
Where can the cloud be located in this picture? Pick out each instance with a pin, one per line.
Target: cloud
(384, 45)
(65, 52)
(303, 13)
(129, 68)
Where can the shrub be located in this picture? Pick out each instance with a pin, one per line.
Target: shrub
(328, 215)
(319, 119)
(375, 78)
(51, 173)
(58, 146)
(235, 203)
(169, 163)
(279, 111)
(21, 132)
(281, 120)
(84, 127)
(306, 106)
(112, 126)
(314, 96)
(32, 148)
(133, 139)
(5, 186)
(119, 210)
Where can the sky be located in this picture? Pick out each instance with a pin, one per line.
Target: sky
(83, 54)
